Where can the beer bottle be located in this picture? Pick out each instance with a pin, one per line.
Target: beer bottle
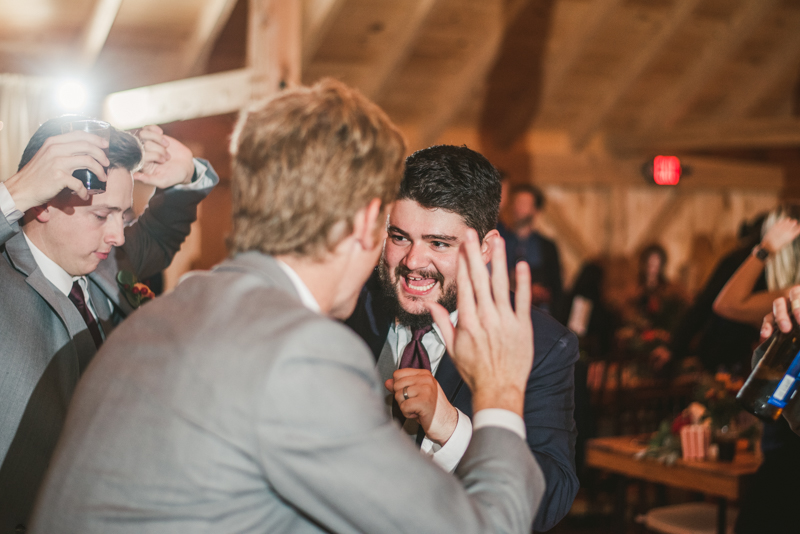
(774, 380)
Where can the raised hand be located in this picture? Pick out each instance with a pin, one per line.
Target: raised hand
(166, 161)
(783, 309)
(781, 234)
(426, 402)
(50, 170)
(492, 346)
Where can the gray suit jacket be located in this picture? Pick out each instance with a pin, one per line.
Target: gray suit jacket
(45, 345)
(228, 406)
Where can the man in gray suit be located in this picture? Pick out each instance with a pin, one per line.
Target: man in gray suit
(236, 403)
(59, 257)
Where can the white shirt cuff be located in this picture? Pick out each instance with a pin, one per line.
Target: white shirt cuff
(500, 418)
(203, 180)
(448, 456)
(7, 206)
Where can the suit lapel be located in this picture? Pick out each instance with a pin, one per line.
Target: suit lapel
(101, 307)
(448, 377)
(21, 258)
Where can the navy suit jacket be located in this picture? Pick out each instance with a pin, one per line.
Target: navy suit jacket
(549, 398)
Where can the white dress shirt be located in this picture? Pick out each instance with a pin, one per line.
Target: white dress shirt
(448, 456)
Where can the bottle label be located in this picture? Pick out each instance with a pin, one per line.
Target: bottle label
(787, 385)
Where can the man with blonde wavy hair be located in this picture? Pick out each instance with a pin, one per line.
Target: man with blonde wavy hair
(237, 404)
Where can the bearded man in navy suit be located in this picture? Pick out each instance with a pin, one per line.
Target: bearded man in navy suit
(445, 191)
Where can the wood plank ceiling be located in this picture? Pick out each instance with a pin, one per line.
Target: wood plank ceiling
(638, 74)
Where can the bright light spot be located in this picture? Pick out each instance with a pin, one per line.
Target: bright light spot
(72, 95)
(666, 170)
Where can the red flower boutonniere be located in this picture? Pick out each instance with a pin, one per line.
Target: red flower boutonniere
(135, 292)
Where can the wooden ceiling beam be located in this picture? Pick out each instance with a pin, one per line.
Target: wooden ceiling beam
(595, 20)
(318, 18)
(784, 60)
(677, 100)
(96, 32)
(373, 85)
(212, 20)
(192, 98)
(274, 45)
(460, 85)
(592, 119)
(754, 133)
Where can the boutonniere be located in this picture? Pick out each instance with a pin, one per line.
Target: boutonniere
(135, 291)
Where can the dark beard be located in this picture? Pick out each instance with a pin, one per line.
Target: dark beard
(449, 300)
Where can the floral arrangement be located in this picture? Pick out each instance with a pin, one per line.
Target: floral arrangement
(136, 293)
(718, 395)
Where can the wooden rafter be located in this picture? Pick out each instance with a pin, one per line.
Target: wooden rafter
(317, 21)
(457, 87)
(785, 59)
(592, 119)
(94, 36)
(374, 84)
(274, 44)
(755, 133)
(212, 20)
(596, 19)
(203, 96)
(673, 105)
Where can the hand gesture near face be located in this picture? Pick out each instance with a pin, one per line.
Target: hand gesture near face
(492, 346)
(781, 234)
(50, 170)
(166, 161)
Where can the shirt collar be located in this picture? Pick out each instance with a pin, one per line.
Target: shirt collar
(306, 297)
(436, 330)
(51, 270)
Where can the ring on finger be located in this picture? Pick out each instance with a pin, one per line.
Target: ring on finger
(405, 393)
(796, 304)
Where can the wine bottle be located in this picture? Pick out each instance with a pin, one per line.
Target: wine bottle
(774, 379)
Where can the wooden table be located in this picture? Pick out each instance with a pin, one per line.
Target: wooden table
(723, 480)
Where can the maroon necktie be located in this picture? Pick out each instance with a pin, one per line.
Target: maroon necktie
(76, 296)
(415, 357)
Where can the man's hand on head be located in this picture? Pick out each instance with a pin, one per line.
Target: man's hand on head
(166, 161)
(783, 309)
(492, 346)
(50, 170)
(426, 402)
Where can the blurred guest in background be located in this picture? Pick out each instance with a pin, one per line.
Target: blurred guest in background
(768, 504)
(715, 340)
(653, 310)
(525, 243)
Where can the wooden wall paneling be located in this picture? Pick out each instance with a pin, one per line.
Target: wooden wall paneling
(570, 54)
(786, 59)
(628, 72)
(210, 23)
(318, 18)
(750, 133)
(667, 110)
(96, 32)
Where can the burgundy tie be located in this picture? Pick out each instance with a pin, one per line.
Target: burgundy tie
(76, 296)
(416, 357)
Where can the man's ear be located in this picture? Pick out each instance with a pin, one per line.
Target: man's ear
(369, 224)
(489, 241)
(40, 213)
